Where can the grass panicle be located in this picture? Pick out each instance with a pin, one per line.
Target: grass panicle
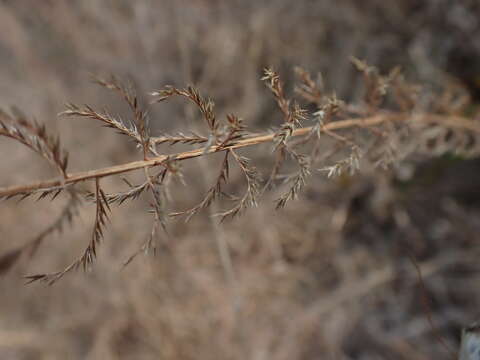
(386, 127)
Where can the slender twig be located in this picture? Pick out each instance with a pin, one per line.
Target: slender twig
(451, 121)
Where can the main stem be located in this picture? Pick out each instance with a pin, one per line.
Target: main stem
(250, 141)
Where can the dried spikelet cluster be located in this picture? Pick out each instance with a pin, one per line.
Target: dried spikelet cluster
(389, 125)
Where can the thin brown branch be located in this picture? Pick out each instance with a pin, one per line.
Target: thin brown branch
(179, 138)
(249, 199)
(35, 136)
(214, 192)
(90, 253)
(129, 129)
(451, 121)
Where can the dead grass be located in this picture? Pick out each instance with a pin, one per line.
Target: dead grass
(328, 275)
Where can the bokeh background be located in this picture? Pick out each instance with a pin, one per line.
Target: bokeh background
(328, 277)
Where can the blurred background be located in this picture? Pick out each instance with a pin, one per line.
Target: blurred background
(328, 277)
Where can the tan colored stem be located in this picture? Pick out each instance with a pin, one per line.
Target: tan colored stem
(255, 140)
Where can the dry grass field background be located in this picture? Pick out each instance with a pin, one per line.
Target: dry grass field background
(329, 276)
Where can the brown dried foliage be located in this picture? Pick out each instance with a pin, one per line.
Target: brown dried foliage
(387, 127)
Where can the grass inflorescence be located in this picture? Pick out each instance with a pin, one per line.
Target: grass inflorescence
(387, 126)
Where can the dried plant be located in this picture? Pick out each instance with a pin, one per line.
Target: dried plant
(387, 127)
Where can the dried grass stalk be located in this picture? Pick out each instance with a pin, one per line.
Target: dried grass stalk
(395, 129)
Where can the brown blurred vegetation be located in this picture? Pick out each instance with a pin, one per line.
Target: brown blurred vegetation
(328, 277)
